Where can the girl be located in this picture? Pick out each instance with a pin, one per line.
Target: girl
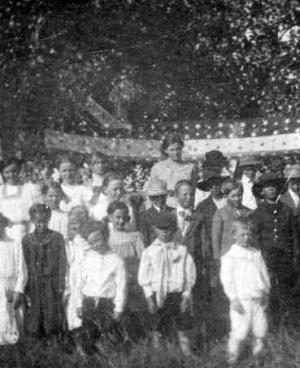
(45, 257)
(75, 248)
(101, 292)
(129, 246)
(173, 168)
(53, 194)
(16, 199)
(77, 195)
(99, 167)
(13, 279)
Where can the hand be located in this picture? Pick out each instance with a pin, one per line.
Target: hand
(79, 312)
(17, 300)
(151, 305)
(237, 306)
(184, 305)
(117, 316)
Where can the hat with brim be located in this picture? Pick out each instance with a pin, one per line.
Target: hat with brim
(165, 221)
(249, 161)
(215, 158)
(270, 179)
(210, 179)
(292, 172)
(156, 187)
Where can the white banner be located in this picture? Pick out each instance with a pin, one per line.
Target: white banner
(149, 149)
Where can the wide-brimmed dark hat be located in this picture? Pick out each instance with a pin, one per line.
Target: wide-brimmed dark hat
(269, 179)
(210, 177)
(214, 158)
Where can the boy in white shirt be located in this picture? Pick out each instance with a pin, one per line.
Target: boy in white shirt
(246, 283)
(102, 292)
(167, 275)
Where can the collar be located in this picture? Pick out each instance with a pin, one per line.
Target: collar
(185, 210)
(293, 194)
(246, 180)
(156, 208)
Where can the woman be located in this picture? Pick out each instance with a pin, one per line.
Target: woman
(172, 169)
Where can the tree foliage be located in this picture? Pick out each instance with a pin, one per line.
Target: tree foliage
(198, 66)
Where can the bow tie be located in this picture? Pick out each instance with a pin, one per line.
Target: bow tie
(186, 215)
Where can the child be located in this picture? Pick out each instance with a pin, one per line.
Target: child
(157, 193)
(45, 257)
(53, 194)
(101, 291)
(246, 283)
(13, 279)
(75, 249)
(167, 275)
(99, 167)
(129, 246)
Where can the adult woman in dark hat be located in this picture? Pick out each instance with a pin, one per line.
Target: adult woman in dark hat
(274, 232)
(173, 168)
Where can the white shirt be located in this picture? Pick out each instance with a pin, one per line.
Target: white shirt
(295, 198)
(97, 180)
(59, 222)
(249, 199)
(220, 203)
(182, 223)
(98, 212)
(200, 196)
(166, 268)
(244, 273)
(103, 276)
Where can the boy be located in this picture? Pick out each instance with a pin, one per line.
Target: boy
(102, 291)
(246, 284)
(157, 193)
(167, 275)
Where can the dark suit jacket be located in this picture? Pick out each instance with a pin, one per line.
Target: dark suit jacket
(207, 208)
(147, 219)
(287, 199)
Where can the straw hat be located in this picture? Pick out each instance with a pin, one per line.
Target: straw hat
(156, 187)
(292, 172)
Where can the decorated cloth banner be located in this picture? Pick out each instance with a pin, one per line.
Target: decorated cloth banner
(150, 149)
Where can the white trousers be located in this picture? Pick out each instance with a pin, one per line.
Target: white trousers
(253, 320)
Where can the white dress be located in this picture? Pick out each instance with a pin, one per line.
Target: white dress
(15, 201)
(59, 222)
(79, 195)
(75, 250)
(13, 278)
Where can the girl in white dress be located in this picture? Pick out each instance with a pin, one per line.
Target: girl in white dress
(16, 199)
(53, 194)
(76, 195)
(13, 279)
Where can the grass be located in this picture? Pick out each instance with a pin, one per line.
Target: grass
(282, 351)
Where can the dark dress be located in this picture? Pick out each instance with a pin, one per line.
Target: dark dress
(45, 258)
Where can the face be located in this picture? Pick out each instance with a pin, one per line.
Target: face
(174, 152)
(242, 236)
(98, 166)
(40, 223)
(294, 185)
(270, 192)
(98, 242)
(235, 197)
(159, 201)
(11, 174)
(185, 196)
(164, 235)
(114, 190)
(119, 219)
(67, 172)
(75, 227)
(250, 172)
(215, 190)
(52, 198)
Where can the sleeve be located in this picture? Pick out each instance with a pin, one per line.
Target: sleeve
(121, 287)
(264, 273)
(256, 230)
(144, 228)
(227, 277)
(189, 276)
(145, 274)
(26, 256)
(154, 173)
(21, 271)
(77, 281)
(216, 234)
